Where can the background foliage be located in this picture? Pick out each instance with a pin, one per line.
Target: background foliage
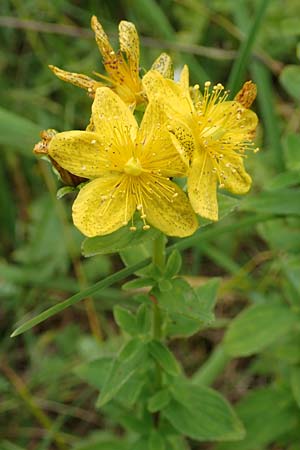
(251, 352)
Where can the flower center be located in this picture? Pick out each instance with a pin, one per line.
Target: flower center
(133, 167)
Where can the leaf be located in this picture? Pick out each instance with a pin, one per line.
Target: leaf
(115, 242)
(283, 202)
(159, 400)
(257, 327)
(101, 440)
(18, 132)
(64, 191)
(173, 265)
(131, 358)
(290, 80)
(202, 413)
(108, 281)
(164, 357)
(283, 180)
(207, 296)
(267, 414)
(156, 441)
(184, 300)
(125, 320)
(95, 372)
(291, 146)
(295, 384)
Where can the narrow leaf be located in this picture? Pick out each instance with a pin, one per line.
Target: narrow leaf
(164, 357)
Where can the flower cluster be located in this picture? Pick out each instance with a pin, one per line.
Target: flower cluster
(185, 132)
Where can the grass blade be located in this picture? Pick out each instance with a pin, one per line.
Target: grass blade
(240, 64)
(124, 273)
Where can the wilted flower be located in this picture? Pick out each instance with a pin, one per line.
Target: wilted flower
(122, 67)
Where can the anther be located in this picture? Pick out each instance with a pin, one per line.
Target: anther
(132, 228)
(146, 227)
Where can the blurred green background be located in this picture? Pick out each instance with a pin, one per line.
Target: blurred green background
(44, 402)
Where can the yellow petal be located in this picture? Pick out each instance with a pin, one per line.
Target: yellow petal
(185, 78)
(77, 79)
(111, 115)
(175, 99)
(130, 45)
(202, 187)
(233, 175)
(173, 216)
(102, 40)
(156, 150)
(101, 206)
(163, 64)
(79, 152)
(183, 138)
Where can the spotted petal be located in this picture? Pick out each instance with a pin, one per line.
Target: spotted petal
(174, 216)
(202, 187)
(111, 115)
(129, 44)
(174, 97)
(102, 206)
(163, 64)
(102, 40)
(157, 149)
(79, 152)
(77, 79)
(234, 176)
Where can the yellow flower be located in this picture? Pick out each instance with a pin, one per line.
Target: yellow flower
(211, 135)
(122, 67)
(129, 169)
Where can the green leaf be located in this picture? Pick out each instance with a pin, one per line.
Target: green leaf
(115, 242)
(125, 319)
(173, 265)
(64, 191)
(184, 300)
(159, 400)
(283, 180)
(101, 440)
(267, 414)
(26, 136)
(144, 319)
(95, 372)
(202, 413)
(295, 384)
(291, 146)
(129, 361)
(156, 441)
(164, 357)
(283, 202)
(257, 327)
(207, 297)
(290, 80)
(138, 283)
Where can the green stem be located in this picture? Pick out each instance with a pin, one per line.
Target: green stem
(215, 364)
(158, 259)
(159, 251)
(156, 324)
